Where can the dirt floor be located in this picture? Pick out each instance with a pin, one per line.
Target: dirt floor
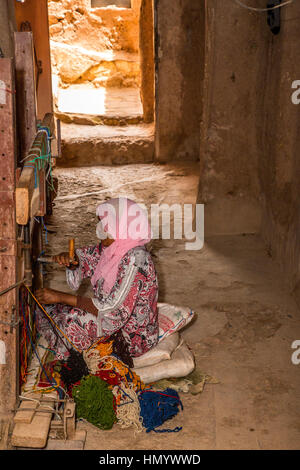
(246, 319)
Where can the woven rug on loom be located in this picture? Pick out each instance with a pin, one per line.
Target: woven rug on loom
(40, 369)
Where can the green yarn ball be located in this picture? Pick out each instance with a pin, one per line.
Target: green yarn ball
(95, 402)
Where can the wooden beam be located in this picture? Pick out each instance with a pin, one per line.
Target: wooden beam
(24, 415)
(36, 13)
(9, 340)
(35, 433)
(26, 91)
(24, 193)
(26, 196)
(42, 193)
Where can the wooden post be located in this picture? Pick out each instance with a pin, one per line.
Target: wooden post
(9, 353)
(36, 13)
(147, 59)
(26, 94)
(27, 200)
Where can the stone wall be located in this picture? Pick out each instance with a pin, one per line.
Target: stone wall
(278, 148)
(179, 56)
(229, 181)
(96, 45)
(249, 161)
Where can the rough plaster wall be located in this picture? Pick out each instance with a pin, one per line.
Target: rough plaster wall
(75, 23)
(96, 46)
(179, 42)
(229, 183)
(7, 27)
(279, 147)
(250, 132)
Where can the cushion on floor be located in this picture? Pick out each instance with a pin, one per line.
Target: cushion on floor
(180, 364)
(161, 352)
(172, 318)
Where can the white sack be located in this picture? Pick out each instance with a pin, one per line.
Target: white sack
(181, 364)
(161, 352)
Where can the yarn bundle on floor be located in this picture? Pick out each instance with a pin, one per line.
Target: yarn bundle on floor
(158, 407)
(95, 402)
(106, 391)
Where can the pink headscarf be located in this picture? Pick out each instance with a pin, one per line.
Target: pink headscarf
(127, 223)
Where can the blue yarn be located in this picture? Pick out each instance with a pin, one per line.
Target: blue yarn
(46, 230)
(158, 407)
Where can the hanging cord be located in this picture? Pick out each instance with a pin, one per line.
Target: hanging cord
(23, 397)
(57, 327)
(52, 321)
(288, 2)
(53, 383)
(40, 157)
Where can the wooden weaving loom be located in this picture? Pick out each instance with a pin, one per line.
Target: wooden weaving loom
(26, 190)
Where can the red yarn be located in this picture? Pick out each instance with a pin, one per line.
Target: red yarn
(109, 376)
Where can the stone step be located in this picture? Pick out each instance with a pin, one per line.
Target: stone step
(84, 145)
(85, 104)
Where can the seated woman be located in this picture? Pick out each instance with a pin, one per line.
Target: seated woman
(124, 282)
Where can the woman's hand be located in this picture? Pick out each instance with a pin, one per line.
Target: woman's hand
(48, 296)
(64, 259)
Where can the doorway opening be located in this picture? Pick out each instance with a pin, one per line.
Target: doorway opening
(102, 58)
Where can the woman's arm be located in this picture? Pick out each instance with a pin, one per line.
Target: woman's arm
(88, 258)
(51, 296)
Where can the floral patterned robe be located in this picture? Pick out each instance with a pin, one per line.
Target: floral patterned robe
(130, 307)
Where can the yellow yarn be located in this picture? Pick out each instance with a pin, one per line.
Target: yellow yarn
(111, 362)
(96, 362)
(105, 349)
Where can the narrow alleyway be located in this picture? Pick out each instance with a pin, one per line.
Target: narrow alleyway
(163, 102)
(246, 319)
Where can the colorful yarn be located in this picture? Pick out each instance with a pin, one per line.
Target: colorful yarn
(128, 408)
(158, 407)
(27, 334)
(52, 383)
(129, 377)
(73, 370)
(120, 348)
(111, 377)
(95, 402)
(52, 370)
(105, 349)
(52, 321)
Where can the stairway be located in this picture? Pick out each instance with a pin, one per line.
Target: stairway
(86, 145)
(100, 107)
